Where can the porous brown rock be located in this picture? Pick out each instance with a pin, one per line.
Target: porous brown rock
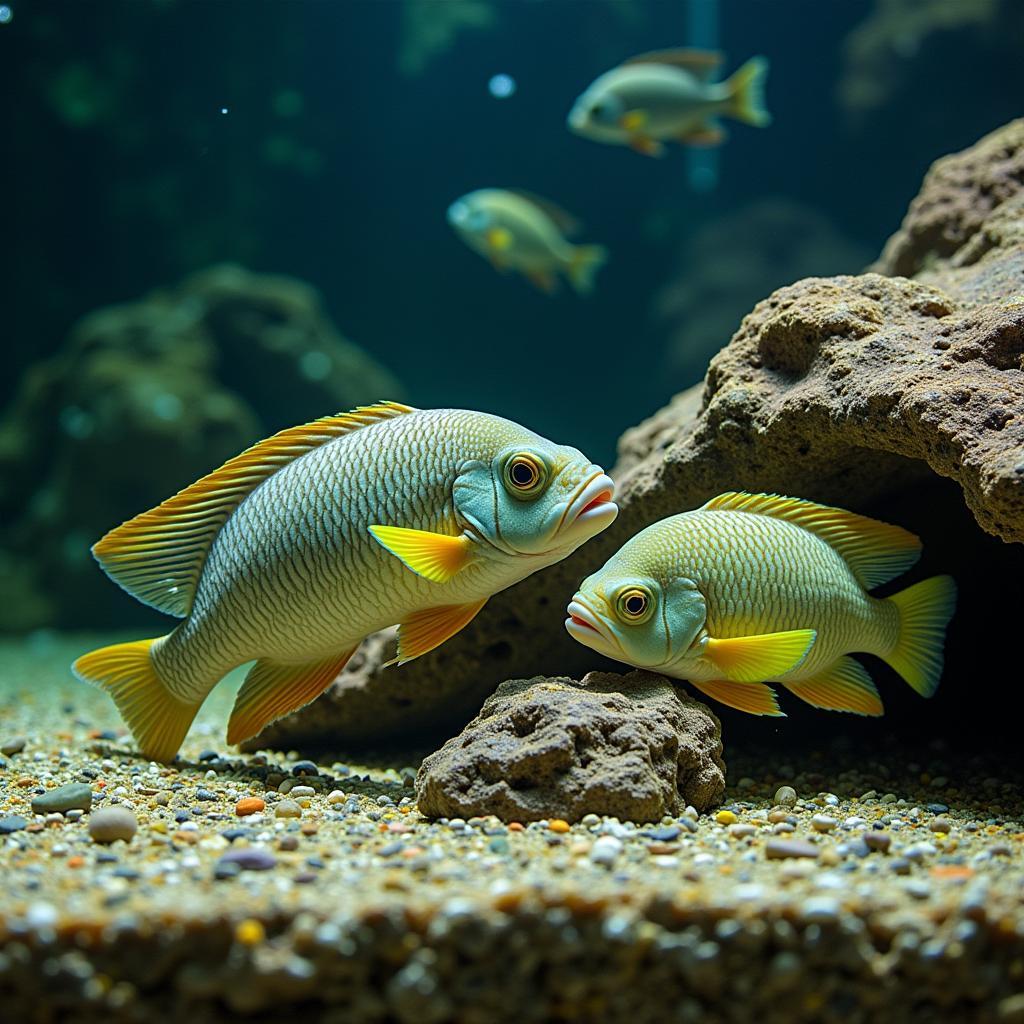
(847, 390)
(630, 746)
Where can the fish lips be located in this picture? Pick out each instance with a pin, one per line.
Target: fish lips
(586, 626)
(592, 509)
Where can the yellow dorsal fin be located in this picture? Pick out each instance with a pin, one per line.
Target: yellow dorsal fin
(702, 63)
(435, 556)
(563, 220)
(425, 630)
(755, 659)
(875, 552)
(158, 556)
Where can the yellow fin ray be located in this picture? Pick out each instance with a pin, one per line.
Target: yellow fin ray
(157, 719)
(925, 610)
(753, 659)
(435, 556)
(429, 628)
(875, 552)
(843, 686)
(272, 690)
(753, 698)
(159, 555)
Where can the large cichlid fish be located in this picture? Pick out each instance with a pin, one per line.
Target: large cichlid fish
(294, 551)
(756, 588)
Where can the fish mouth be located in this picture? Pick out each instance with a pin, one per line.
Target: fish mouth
(593, 503)
(584, 625)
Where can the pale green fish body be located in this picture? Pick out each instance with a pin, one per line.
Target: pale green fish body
(755, 589)
(668, 96)
(324, 534)
(521, 232)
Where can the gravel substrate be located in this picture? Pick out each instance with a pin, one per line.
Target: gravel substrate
(823, 889)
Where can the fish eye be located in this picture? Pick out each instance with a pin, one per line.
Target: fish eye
(525, 475)
(598, 110)
(634, 604)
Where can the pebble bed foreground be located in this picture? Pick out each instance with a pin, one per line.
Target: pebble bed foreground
(265, 885)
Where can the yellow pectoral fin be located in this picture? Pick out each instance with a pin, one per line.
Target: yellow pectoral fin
(633, 120)
(435, 556)
(500, 239)
(428, 629)
(844, 686)
(272, 690)
(754, 698)
(752, 659)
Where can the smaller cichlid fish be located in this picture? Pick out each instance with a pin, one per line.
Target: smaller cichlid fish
(667, 96)
(757, 588)
(519, 231)
(294, 551)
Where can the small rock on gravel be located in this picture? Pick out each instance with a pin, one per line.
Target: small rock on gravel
(633, 747)
(73, 796)
(783, 849)
(249, 858)
(785, 796)
(12, 823)
(111, 823)
(15, 745)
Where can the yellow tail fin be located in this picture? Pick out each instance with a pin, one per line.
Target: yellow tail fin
(587, 260)
(158, 720)
(746, 92)
(925, 610)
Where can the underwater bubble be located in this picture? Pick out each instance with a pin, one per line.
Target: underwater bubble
(167, 406)
(223, 110)
(75, 422)
(501, 86)
(315, 365)
(6, 14)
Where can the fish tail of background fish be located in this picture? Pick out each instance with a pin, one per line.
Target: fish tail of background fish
(924, 612)
(584, 263)
(154, 712)
(745, 93)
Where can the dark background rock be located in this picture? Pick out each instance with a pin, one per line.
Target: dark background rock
(630, 746)
(887, 396)
(143, 399)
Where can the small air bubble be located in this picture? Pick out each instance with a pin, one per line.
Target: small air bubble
(6, 14)
(501, 86)
(223, 110)
(315, 365)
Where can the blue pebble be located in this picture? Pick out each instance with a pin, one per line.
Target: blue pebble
(662, 835)
(12, 823)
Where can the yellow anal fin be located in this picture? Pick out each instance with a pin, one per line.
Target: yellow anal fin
(646, 145)
(159, 555)
(272, 690)
(158, 720)
(875, 552)
(435, 556)
(428, 629)
(705, 135)
(843, 686)
(753, 698)
(753, 659)
(542, 280)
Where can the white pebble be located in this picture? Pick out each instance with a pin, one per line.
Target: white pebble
(605, 849)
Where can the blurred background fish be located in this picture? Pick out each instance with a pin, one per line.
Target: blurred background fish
(668, 96)
(517, 230)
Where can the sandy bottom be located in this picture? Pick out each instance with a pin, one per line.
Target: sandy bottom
(883, 890)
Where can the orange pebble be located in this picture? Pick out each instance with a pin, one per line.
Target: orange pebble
(558, 825)
(249, 805)
(75, 862)
(515, 826)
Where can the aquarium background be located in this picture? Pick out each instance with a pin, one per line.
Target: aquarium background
(253, 197)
